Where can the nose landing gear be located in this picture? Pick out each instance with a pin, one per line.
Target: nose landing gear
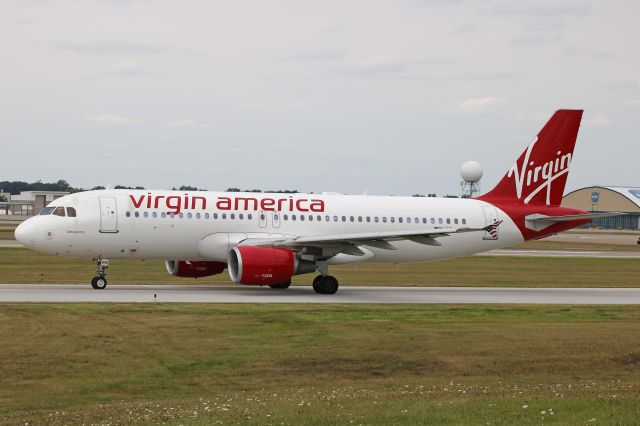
(99, 282)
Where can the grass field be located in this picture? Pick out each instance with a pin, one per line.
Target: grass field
(26, 266)
(202, 364)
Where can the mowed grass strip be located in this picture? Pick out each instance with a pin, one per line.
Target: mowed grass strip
(372, 364)
(25, 266)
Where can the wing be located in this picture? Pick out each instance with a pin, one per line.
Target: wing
(330, 245)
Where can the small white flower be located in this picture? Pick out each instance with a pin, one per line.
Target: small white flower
(525, 406)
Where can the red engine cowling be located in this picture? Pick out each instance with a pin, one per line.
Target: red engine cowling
(261, 265)
(195, 269)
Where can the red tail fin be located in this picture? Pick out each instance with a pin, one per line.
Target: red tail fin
(540, 173)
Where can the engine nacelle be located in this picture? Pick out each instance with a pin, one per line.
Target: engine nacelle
(194, 269)
(265, 266)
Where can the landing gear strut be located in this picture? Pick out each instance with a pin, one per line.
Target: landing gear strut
(325, 284)
(99, 282)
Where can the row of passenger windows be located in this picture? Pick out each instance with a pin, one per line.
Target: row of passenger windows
(302, 218)
(59, 211)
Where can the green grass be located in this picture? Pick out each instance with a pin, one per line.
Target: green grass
(26, 266)
(372, 364)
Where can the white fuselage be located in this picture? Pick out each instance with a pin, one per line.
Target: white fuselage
(176, 225)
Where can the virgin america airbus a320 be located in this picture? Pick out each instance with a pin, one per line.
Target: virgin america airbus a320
(265, 239)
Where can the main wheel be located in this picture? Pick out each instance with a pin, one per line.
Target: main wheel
(99, 283)
(316, 284)
(281, 285)
(325, 284)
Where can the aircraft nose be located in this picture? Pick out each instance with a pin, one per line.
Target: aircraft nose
(25, 233)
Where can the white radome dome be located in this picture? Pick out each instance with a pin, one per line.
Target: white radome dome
(471, 171)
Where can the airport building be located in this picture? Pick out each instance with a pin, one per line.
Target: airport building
(606, 199)
(28, 203)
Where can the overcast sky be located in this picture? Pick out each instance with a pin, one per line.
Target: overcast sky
(384, 97)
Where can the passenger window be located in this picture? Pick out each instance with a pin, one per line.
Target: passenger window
(223, 216)
(400, 219)
(310, 218)
(232, 216)
(215, 215)
(189, 215)
(172, 215)
(128, 214)
(368, 219)
(417, 220)
(249, 216)
(424, 220)
(301, 217)
(71, 212)
(448, 221)
(327, 218)
(206, 215)
(137, 214)
(440, 220)
(344, 218)
(359, 218)
(384, 219)
(455, 221)
(197, 215)
(285, 217)
(59, 211)
(163, 214)
(241, 216)
(262, 216)
(146, 214)
(351, 218)
(464, 221)
(375, 219)
(393, 219)
(293, 217)
(181, 215)
(320, 218)
(433, 221)
(335, 218)
(155, 214)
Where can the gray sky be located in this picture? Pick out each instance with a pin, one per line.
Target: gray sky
(387, 97)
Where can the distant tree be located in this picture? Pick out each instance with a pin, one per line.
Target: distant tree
(3, 199)
(95, 188)
(418, 195)
(190, 188)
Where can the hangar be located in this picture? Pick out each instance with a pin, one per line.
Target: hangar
(608, 198)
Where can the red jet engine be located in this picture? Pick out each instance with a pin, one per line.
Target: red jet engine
(194, 269)
(265, 266)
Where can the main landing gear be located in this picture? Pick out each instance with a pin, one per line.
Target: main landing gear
(325, 284)
(99, 282)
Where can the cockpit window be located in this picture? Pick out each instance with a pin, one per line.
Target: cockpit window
(47, 210)
(71, 212)
(59, 211)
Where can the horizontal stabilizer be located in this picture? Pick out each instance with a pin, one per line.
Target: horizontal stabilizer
(538, 222)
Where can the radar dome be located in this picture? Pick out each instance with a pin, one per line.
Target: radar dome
(471, 171)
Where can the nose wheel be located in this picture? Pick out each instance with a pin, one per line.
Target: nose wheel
(99, 282)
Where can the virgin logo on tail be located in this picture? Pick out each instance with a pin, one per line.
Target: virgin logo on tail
(540, 172)
(528, 174)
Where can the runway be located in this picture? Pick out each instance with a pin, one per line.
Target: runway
(296, 294)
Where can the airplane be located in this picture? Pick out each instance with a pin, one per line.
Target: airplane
(266, 238)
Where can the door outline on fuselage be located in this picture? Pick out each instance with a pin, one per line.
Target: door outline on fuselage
(108, 215)
(275, 219)
(262, 219)
(490, 217)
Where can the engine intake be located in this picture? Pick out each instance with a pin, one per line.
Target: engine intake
(194, 269)
(265, 266)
